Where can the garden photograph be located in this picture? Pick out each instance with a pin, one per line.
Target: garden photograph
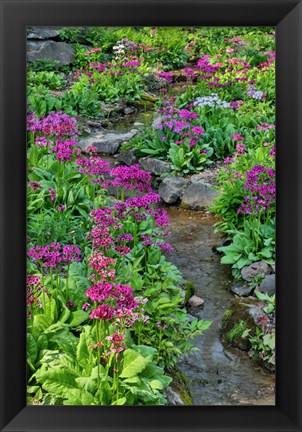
(151, 216)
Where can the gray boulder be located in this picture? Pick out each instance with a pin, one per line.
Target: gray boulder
(242, 290)
(61, 52)
(257, 268)
(173, 398)
(155, 166)
(106, 142)
(268, 285)
(42, 32)
(128, 157)
(171, 188)
(157, 121)
(198, 195)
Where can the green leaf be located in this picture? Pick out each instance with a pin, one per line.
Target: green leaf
(134, 363)
(32, 348)
(42, 342)
(77, 318)
(269, 340)
(57, 381)
(84, 352)
(120, 401)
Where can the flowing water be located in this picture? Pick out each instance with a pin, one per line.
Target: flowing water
(217, 375)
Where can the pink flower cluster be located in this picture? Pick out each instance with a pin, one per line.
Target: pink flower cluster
(55, 124)
(33, 287)
(34, 185)
(53, 254)
(103, 267)
(63, 150)
(165, 77)
(93, 51)
(113, 298)
(95, 168)
(131, 177)
(180, 122)
(265, 126)
(260, 183)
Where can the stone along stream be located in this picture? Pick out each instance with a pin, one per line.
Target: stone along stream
(217, 375)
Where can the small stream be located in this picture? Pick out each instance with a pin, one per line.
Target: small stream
(217, 375)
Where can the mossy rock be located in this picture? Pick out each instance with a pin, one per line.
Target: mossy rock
(185, 206)
(190, 290)
(237, 320)
(179, 387)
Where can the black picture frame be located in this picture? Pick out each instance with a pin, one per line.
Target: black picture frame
(15, 16)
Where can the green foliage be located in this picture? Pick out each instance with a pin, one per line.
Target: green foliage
(52, 80)
(253, 243)
(187, 160)
(263, 346)
(237, 331)
(70, 378)
(43, 65)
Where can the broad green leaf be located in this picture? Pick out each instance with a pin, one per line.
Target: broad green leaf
(134, 363)
(32, 348)
(120, 401)
(77, 318)
(57, 381)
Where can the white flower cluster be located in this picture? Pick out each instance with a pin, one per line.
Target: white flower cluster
(211, 101)
(255, 94)
(119, 49)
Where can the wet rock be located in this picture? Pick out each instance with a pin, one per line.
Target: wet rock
(242, 290)
(157, 121)
(95, 124)
(178, 392)
(138, 125)
(173, 398)
(190, 318)
(257, 268)
(128, 157)
(106, 142)
(243, 314)
(60, 52)
(149, 97)
(171, 188)
(42, 32)
(182, 294)
(155, 166)
(268, 285)
(196, 178)
(236, 320)
(198, 195)
(195, 301)
(129, 110)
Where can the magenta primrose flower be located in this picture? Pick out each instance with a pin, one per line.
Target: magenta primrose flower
(34, 185)
(237, 137)
(63, 150)
(131, 177)
(53, 254)
(55, 124)
(95, 168)
(261, 186)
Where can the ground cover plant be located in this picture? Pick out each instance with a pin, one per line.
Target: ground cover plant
(106, 320)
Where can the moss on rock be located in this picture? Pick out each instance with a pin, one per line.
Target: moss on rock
(236, 321)
(180, 385)
(190, 290)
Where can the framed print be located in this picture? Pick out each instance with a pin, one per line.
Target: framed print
(150, 217)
